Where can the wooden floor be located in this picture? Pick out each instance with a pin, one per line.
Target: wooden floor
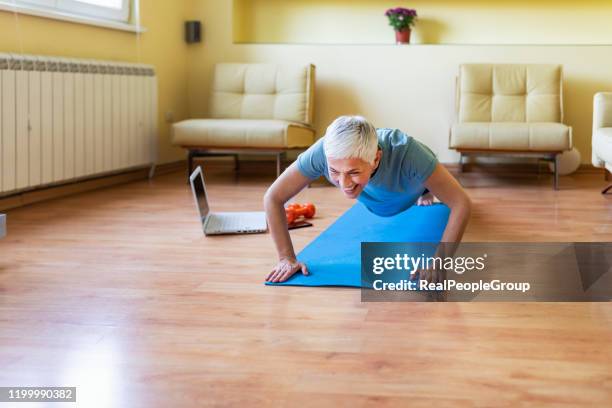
(118, 293)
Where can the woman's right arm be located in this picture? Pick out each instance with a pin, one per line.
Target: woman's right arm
(286, 186)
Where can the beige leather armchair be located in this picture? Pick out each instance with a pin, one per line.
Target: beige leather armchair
(602, 134)
(254, 108)
(510, 109)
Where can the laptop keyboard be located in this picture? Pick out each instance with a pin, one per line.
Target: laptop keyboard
(233, 222)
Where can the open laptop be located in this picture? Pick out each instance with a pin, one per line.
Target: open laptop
(223, 222)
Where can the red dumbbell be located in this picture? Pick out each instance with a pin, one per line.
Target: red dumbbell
(296, 211)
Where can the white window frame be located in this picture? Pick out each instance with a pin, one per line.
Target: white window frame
(44, 3)
(126, 19)
(108, 13)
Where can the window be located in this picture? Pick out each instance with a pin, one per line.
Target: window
(114, 10)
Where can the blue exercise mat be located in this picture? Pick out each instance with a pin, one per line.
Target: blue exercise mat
(334, 257)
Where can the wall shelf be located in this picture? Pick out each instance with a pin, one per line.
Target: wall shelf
(441, 22)
(305, 44)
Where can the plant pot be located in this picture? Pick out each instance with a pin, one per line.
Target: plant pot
(403, 36)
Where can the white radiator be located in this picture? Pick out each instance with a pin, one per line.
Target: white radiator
(67, 119)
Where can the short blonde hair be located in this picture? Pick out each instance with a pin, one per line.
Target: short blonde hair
(351, 137)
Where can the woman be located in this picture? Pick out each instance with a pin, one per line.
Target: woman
(385, 169)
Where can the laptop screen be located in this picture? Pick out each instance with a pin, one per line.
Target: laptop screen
(200, 193)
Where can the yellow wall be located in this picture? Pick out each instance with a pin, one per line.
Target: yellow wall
(409, 87)
(161, 45)
(440, 21)
(402, 86)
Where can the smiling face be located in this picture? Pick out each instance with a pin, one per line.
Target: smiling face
(351, 175)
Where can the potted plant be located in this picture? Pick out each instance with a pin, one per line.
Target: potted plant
(401, 19)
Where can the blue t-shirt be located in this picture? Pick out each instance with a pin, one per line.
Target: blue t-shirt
(398, 181)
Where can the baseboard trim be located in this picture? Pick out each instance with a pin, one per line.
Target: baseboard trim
(179, 165)
(36, 195)
(513, 168)
(81, 186)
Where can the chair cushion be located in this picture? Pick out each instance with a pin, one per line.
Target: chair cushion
(511, 136)
(602, 146)
(602, 109)
(242, 133)
(263, 91)
(510, 93)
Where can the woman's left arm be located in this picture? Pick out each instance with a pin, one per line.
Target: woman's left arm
(444, 186)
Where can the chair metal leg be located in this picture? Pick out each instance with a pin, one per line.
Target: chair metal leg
(556, 177)
(236, 163)
(461, 169)
(280, 159)
(607, 177)
(152, 171)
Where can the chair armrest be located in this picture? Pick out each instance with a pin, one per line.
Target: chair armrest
(602, 110)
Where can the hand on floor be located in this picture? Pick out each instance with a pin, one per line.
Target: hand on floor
(430, 275)
(285, 268)
(426, 199)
